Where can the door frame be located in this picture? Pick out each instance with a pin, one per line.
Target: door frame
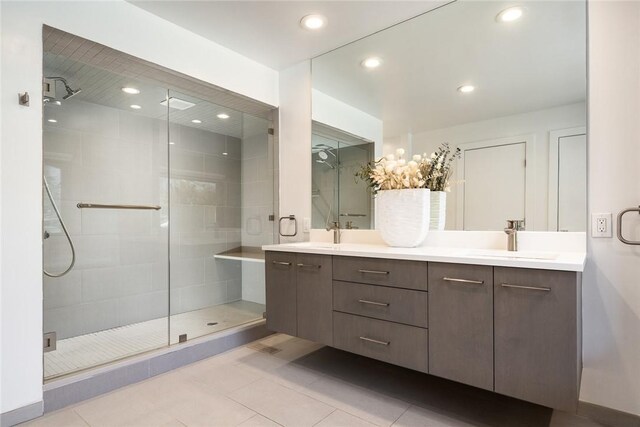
(529, 141)
(554, 159)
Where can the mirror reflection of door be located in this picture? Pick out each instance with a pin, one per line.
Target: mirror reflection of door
(568, 180)
(494, 185)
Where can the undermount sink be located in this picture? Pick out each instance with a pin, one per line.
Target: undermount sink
(496, 253)
(320, 245)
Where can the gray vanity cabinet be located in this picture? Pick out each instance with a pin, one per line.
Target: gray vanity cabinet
(461, 323)
(300, 295)
(315, 297)
(281, 292)
(537, 335)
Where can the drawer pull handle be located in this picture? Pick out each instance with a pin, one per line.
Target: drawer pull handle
(309, 265)
(373, 272)
(281, 263)
(375, 341)
(474, 282)
(532, 288)
(382, 304)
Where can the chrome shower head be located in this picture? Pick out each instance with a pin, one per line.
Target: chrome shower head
(71, 93)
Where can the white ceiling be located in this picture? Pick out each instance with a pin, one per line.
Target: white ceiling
(269, 31)
(535, 63)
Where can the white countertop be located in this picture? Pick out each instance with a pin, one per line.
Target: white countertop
(564, 261)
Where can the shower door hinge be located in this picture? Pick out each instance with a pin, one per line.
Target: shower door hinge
(23, 99)
(49, 342)
(271, 131)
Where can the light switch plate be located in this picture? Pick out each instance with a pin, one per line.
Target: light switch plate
(601, 225)
(306, 225)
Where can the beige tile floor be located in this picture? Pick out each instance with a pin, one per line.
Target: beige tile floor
(99, 348)
(281, 380)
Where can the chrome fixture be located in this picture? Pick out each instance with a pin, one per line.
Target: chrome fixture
(23, 99)
(101, 206)
(350, 226)
(50, 87)
(66, 233)
(512, 228)
(619, 231)
(335, 226)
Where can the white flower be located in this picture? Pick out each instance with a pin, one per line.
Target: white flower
(433, 155)
(390, 157)
(402, 162)
(416, 157)
(400, 152)
(413, 165)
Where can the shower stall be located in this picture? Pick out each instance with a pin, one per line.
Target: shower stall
(166, 187)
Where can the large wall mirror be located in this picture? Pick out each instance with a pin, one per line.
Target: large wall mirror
(505, 85)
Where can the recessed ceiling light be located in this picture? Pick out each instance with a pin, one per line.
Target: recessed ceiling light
(52, 121)
(313, 22)
(223, 116)
(172, 143)
(510, 14)
(224, 154)
(372, 62)
(135, 106)
(196, 121)
(130, 90)
(466, 89)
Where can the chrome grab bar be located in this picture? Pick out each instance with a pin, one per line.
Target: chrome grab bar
(309, 265)
(381, 304)
(619, 231)
(103, 206)
(375, 341)
(373, 272)
(281, 263)
(474, 282)
(532, 288)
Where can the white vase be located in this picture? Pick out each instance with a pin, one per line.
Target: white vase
(403, 216)
(438, 210)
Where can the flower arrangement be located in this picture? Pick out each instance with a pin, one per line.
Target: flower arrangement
(393, 172)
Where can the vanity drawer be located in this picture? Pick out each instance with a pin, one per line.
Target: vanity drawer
(387, 272)
(390, 342)
(381, 302)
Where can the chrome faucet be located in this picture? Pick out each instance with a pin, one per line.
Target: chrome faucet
(335, 226)
(512, 228)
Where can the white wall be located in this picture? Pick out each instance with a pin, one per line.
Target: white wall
(337, 114)
(295, 146)
(119, 25)
(536, 123)
(611, 292)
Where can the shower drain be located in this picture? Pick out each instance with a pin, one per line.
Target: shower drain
(212, 323)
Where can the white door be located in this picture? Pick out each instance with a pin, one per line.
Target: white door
(494, 186)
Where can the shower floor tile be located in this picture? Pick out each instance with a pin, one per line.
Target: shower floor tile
(99, 348)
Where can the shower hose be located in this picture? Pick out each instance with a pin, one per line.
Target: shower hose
(66, 233)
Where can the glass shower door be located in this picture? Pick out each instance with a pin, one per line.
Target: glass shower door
(222, 202)
(105, 161)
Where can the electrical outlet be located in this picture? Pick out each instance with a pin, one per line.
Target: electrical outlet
(306, 225)
(601, 225)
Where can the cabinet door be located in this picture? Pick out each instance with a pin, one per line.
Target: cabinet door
(461, 323)
(537, 350)
(315, 297)
(281, 292)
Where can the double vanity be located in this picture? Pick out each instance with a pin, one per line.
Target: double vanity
(501, 321)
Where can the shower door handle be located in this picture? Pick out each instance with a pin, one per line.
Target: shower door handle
(103, 206)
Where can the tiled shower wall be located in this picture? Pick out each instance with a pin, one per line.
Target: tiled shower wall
(100, 154)
(205, 218)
